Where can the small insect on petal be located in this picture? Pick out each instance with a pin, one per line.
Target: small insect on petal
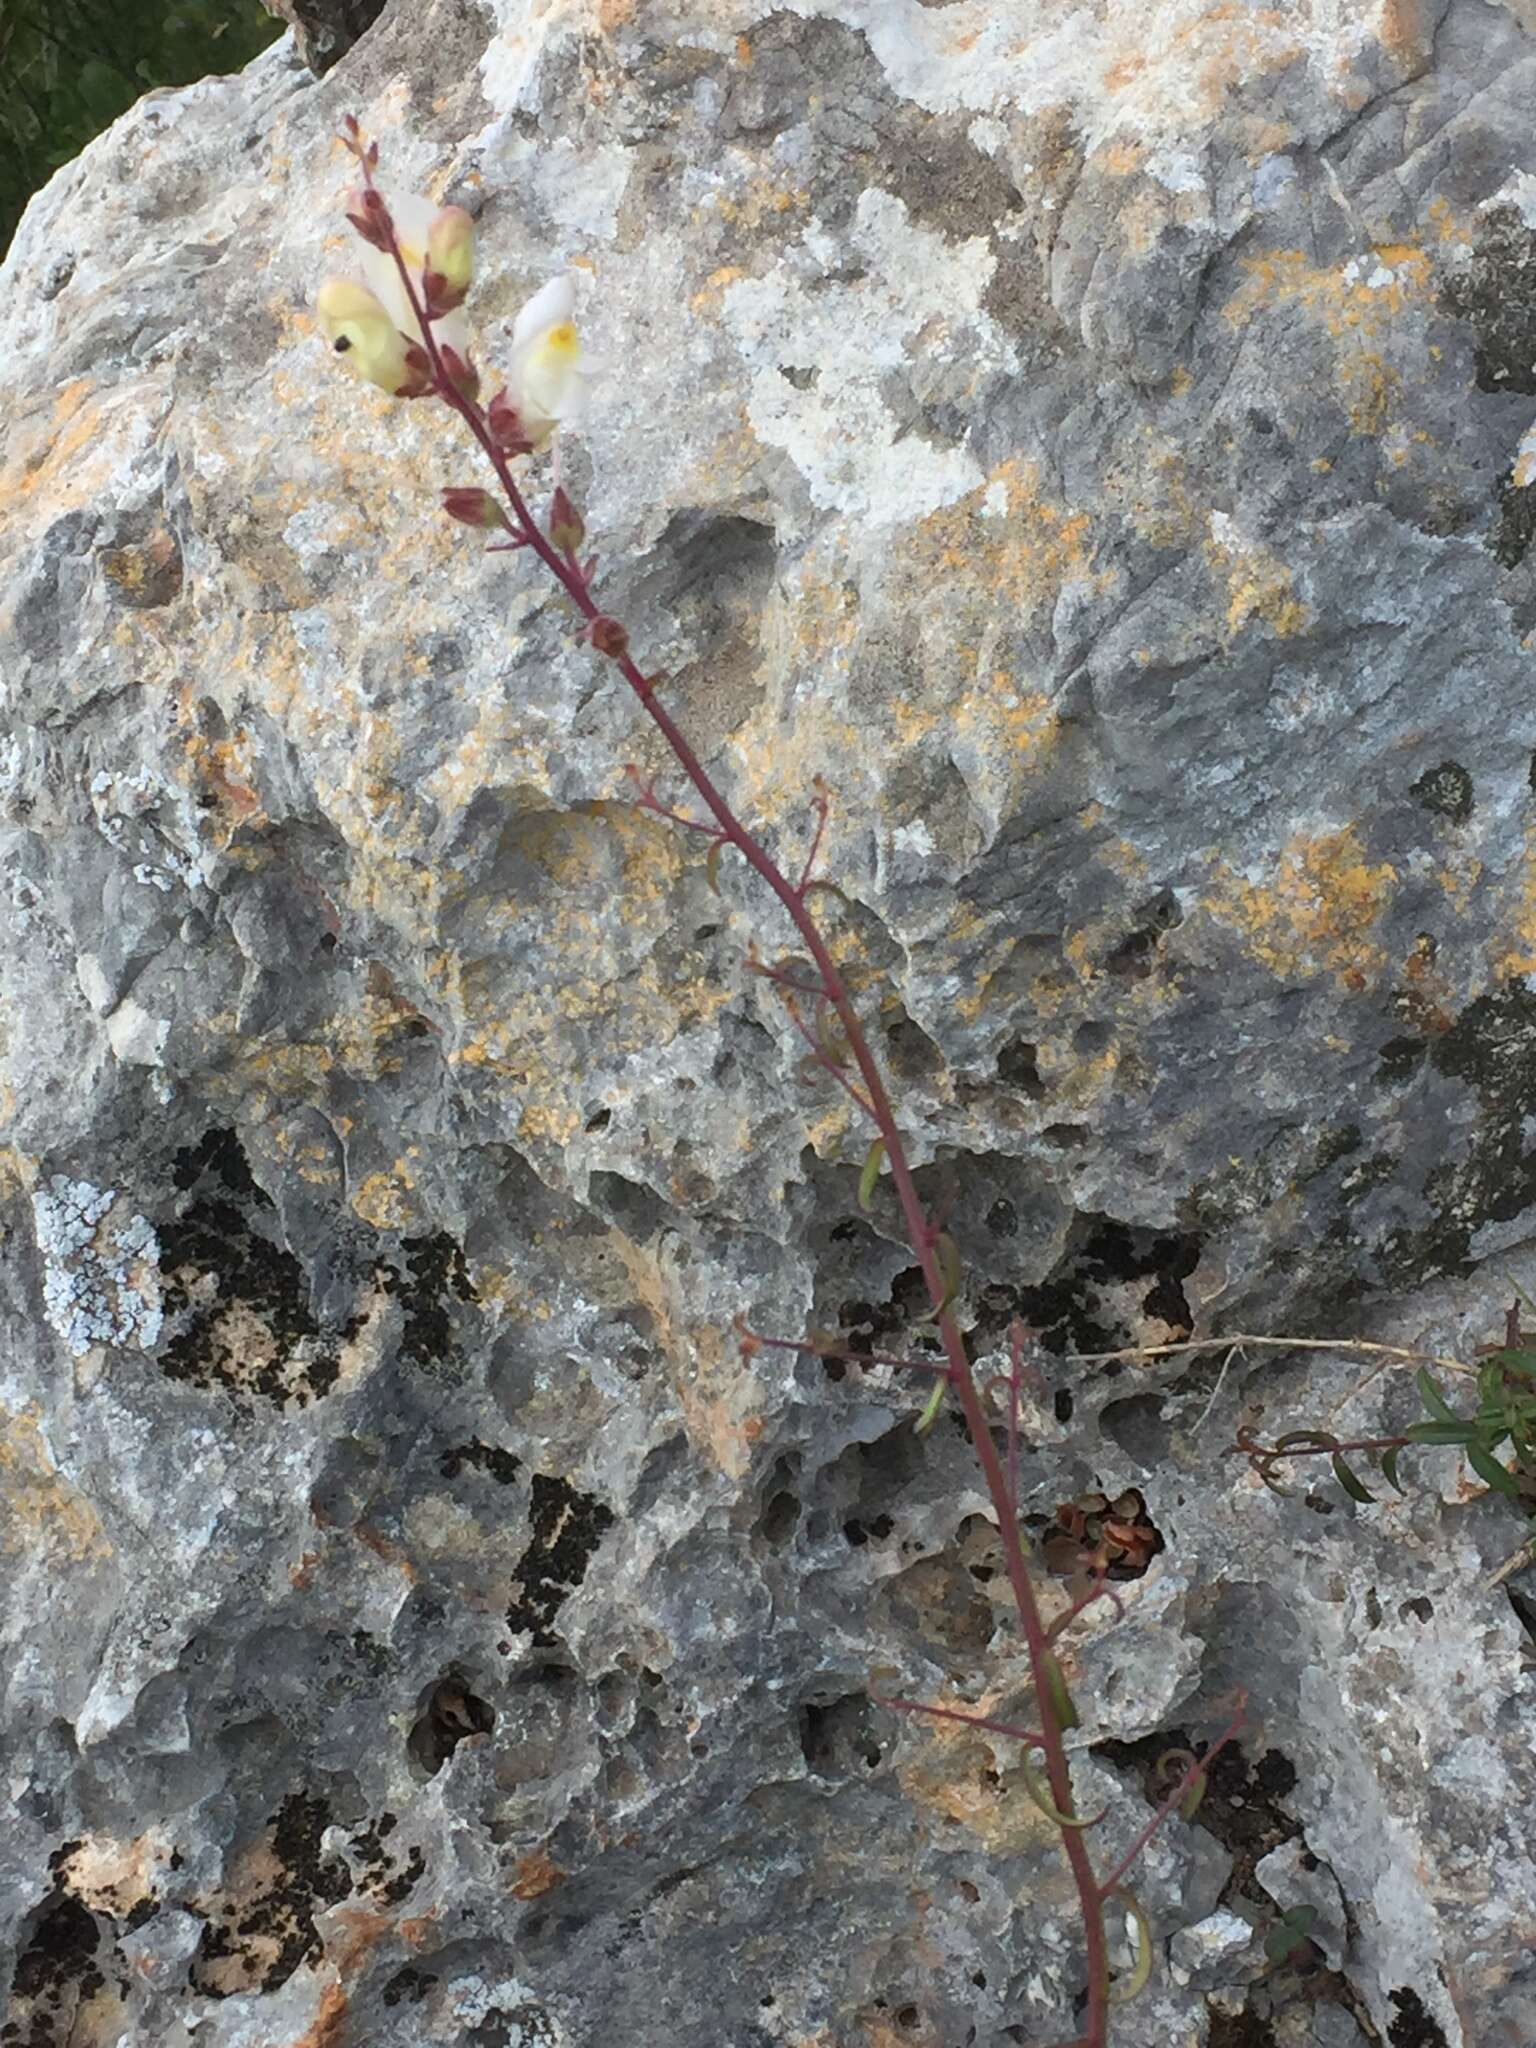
(361, 332)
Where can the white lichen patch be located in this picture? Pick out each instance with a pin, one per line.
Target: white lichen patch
(101, 1276)
(916, 297)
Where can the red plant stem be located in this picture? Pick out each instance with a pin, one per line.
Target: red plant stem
(1030, 1735)
(920, 1230)
(1107, 1884)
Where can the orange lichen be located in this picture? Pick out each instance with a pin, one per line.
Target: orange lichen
(1316, 913)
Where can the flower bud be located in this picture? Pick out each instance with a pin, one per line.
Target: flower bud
(609, 636)
(506, 423)
(369, 215)
(473, 507)
(451, 254)
(566, 529)
(363, 335)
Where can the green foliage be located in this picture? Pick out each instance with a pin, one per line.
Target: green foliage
(68, 68)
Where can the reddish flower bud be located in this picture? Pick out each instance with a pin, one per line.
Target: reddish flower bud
(609, 637)
(463, 372)
(473, 507)
(369, 215)
(506, 423)
(565, 523)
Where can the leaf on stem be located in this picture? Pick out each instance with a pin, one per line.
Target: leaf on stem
(1435, 1403)
(931, 1412)
(1491, 1472)
(712, 865)
(1062, 1707)
(1040, 1793)
(871, 1173)
(1141, 1970)
(1194, 1792)
(1389, 1468)
(1352, 1485)
(948, 1253)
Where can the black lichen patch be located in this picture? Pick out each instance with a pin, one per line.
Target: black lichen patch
(236, 1301)
(501, 1465)
(435, 1277)
(566, 1528)
(1515, 527)
(1495, 291)
(60, 1993)
(1492, 1047)
(1413, 2027)
(382, 1873)
(264, 1927)
(1068, 1310)
(1446, 790)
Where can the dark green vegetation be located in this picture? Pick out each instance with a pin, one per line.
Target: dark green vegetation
(69, 67)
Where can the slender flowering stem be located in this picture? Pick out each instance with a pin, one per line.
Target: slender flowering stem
(1196, 1769)
(456, 386)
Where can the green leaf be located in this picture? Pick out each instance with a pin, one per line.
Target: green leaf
(1040, 1792)
(931, 1413)
(949, 1266)
(1354, 1487)
(1194, 1792)
(712, 865)
(1123, 1993)
(871, 1173)
(1491, 1472)
(1056, 1692)
(1435, 1403)
(1389, 1468)
(1522, 1362)
(1452, 1432)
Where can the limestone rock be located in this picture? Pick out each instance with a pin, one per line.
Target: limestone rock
(1089, 436)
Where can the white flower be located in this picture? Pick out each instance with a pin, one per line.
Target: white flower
(548, 374)
(413, 217)
(362, 333)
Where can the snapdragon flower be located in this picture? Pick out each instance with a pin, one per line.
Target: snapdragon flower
(548, 376)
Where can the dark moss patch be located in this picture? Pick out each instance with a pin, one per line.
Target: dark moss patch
(1446, 790)
(565, 1529)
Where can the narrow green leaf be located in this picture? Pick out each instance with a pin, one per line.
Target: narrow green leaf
(871, 1173)
(1141, 1971)
(1194, 1792)
(1040, 1792)
(1305, 1440)
(949, 1266)
(1522, 1362)
(931, 1413)
(1491, 1472)
(712, 864)
(1056, 1692)
(1442, 1432)
(1435, 1403)
(1389, 1469)
(1355, 1488)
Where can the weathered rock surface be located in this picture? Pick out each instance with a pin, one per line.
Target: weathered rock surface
(1085, 434)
